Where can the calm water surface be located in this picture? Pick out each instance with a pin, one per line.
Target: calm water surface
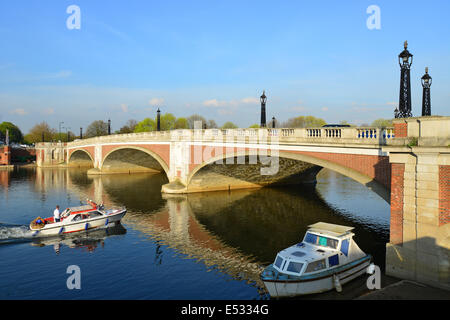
(201, 246)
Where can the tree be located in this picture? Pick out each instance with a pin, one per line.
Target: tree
(181, 123)
(167, 121)
(145, 125)
(382, 123)
(128, 127)
(195, 117)
(211, 124)
(15, 135)
(304, 122)
(254, 126)
(97, 128)
(229, 125)
(35, 133)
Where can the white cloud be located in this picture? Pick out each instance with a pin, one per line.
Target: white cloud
(156, 101)
(48, 111)
(19, 111)
(298, 109)
(214, 103)
(250, 100)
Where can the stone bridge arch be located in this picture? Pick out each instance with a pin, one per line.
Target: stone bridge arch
(80, 158)
(132, 159)
(371, 178)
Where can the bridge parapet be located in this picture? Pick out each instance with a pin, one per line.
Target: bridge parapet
(430, 131)
(354, 135)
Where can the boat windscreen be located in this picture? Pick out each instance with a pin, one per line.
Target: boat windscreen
(278, 261)
(321, 240)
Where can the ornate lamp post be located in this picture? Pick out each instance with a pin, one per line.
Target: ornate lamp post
(158, 120)
(273, 122)
(426, 97)
(263, 99)
(109, 126)
(404, 104)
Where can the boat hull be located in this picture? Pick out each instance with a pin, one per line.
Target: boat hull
(79, 226)
(294, 287)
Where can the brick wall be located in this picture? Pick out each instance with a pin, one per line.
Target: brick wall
(397, 181)
(444, 195)
(5, 156)
(401, 130)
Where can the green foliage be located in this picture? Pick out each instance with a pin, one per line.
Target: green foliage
(181, 123)
(128, 127)
(35, 134)
(382, 123)
(229, 125)
(167, 121)
(97, 128)
(304, 122)
(254, 126)
(413, 142)
(145, 125)
(15, 135)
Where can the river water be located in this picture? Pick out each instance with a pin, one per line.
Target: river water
(201, 246)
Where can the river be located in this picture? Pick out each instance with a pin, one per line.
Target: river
(200, 246)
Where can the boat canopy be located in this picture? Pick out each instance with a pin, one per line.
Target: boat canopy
(332, 229)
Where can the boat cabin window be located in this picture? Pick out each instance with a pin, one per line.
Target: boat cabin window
(79, 217)
(94, 214)
(344, 246)
(321, 241)
(295, 267)
(316, 266)
(278, 261)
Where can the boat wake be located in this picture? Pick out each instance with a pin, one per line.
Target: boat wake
(12, 233)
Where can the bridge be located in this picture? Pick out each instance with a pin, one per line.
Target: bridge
(407, 165)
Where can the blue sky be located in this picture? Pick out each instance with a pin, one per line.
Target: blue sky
(215, 58)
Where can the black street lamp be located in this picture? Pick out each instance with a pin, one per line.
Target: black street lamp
(426, 96)
(158, 120)
(273, 122)
(81, 133)
(263, 100)
(404, 105)
(109, 126)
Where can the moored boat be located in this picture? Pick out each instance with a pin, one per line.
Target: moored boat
(327, 258)
(77, 219)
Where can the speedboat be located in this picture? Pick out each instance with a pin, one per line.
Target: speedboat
(77, 219)
(326, 258)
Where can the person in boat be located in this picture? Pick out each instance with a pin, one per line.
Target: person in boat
(56, 214)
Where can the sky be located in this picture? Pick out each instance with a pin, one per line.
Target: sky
(215, 58)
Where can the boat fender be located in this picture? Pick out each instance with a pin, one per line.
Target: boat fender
(106, 222)
(61, 230)
(337, 283)
(86, 226)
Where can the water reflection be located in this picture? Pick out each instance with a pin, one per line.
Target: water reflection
(236, 232)
(86, 241)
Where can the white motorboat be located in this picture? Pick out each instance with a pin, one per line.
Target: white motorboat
(77, 219)
(326, 258)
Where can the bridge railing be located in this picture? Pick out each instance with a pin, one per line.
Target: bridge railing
(353, 135)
